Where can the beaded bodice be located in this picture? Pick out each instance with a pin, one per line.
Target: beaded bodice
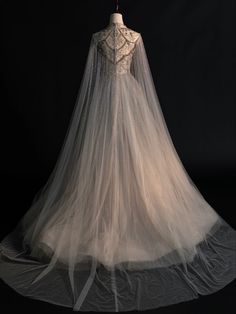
(117, 43)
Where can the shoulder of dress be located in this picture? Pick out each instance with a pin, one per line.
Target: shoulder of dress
(102, 34)
(130, 34)
(127, 33)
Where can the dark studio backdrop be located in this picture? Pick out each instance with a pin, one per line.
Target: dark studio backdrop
(191, 48)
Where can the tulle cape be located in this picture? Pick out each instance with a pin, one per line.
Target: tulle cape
(119, 225)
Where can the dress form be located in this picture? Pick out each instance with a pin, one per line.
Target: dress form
(116, 18)
(119, 226)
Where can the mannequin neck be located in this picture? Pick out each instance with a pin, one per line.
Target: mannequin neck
(116, 18)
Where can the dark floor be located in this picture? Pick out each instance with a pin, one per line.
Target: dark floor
(218, 191)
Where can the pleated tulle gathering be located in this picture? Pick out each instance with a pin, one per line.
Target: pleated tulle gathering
(119, 225)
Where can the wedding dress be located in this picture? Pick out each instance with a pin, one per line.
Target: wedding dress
(119, 225)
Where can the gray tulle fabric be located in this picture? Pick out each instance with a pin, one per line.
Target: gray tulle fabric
(119, 225)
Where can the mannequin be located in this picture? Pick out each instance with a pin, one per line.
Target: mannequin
(116, 18)
(119, 225)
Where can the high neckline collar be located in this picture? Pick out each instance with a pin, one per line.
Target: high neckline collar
(118, 24)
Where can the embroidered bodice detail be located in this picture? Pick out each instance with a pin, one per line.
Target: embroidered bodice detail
(117, 43)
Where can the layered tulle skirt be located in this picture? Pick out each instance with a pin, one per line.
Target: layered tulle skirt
(119, 225)
(127, 229)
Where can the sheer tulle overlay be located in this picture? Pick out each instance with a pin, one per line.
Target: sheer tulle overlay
(119, 225)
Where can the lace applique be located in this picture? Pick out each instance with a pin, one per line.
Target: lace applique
(117, 43)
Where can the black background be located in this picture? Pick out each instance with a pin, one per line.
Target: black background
(191, 47)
